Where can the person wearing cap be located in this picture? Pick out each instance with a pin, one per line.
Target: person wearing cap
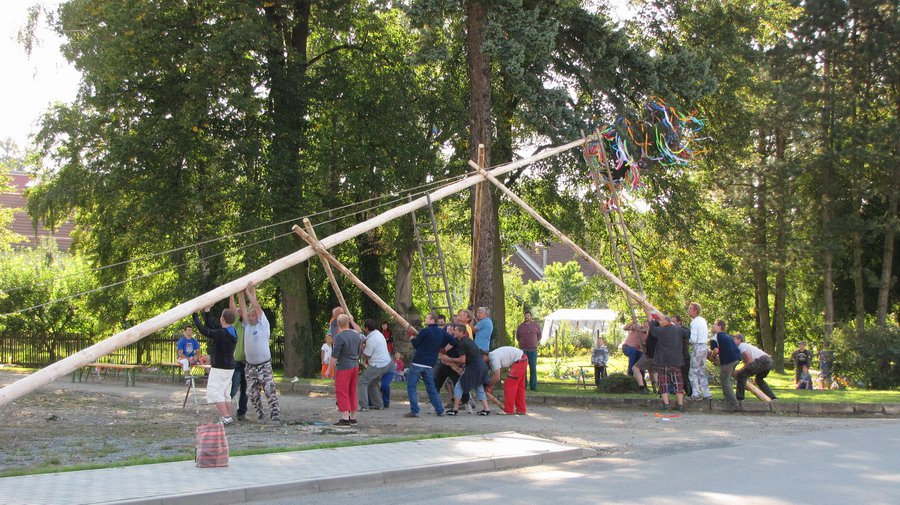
(514, 386)
(668, 357)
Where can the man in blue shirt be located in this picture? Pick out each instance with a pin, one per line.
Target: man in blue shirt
(189, 349)
(484, 328)
(724, 351)
(428, 343)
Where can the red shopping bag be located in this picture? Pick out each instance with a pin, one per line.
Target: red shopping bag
(212, 446)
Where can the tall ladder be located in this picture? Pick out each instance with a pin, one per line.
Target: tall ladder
(619, 239)
(432, 259)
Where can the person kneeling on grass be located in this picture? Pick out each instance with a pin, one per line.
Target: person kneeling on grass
(514, 386)
(222, 339)
(474, 370)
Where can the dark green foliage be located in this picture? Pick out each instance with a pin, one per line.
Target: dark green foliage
(618, 383)
(871, 358)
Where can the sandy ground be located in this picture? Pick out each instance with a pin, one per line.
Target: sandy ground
(66, 424)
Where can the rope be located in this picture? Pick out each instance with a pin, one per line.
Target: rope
(167, 269)
(240, 233)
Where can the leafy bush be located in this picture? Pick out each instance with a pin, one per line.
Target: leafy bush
(618, 383)
(871, 359)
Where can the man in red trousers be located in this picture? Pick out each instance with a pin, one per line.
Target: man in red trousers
(514, 387)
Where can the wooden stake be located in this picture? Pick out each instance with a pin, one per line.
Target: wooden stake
(326, 256)
(91, 354)
(334, 285)
(581, 252)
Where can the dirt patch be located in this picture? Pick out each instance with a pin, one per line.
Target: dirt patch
(68, 424)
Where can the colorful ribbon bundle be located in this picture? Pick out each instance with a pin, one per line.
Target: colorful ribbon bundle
(662, 136)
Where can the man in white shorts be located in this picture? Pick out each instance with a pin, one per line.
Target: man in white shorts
(222, 339)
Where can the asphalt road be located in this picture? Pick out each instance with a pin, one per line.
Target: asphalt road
(859, 465)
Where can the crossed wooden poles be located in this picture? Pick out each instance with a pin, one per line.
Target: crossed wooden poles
(65, 366)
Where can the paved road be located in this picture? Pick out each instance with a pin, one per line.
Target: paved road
(832, 466)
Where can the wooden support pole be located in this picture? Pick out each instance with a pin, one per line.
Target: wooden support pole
(326, 256)
(334, 285)
(91, 354)
(581, 252)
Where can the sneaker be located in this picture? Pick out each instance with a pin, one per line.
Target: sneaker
(410, 414)
(342, 422)
(364, 409)
(354, 421)
(696, 398)
(242, 417)
(666, 407)
(452, 412)
(484, 412)
(227, 421)
(442, 414)
(681, 408)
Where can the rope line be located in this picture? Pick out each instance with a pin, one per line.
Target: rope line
(247, 246)
(244, 232)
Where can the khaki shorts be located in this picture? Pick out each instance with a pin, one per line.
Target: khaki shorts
(218, 385)
(646, 363)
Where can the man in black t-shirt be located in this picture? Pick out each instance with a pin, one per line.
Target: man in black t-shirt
(802, 356)
(474, 373)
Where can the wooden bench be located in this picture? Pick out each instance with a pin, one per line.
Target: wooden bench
(84, 372)
(176, 369)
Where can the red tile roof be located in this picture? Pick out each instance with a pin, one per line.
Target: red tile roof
(22, 224)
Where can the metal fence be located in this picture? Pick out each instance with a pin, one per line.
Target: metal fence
(41, 350)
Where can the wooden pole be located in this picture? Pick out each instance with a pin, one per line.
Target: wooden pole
(476, 229)
(581, 252)
(334, 285)
(66, 366)
(326, 256)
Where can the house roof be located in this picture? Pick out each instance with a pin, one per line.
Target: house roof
(532, 260)
(21, 222)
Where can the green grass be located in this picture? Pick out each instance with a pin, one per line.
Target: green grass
(51, 465)
(781, 384)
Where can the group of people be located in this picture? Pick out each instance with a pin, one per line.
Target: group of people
(239, 357)
(456, 354)
(668, 351)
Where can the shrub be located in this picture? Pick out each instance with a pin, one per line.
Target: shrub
(870, 359)
(618, 383)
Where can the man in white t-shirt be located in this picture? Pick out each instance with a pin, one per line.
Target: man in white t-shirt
(699, 350)
(516, 361)
(756, 363)
(378, 362)
(258, 368)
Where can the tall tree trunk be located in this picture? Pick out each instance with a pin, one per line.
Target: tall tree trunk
(403, 297)
(827, 235)
(371, 249)
(890, 230)
(288, 101)
(487, 273)
(761, 257)
(781, 251)
(859, 225)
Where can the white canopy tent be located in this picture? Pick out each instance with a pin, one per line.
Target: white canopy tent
(595, 320)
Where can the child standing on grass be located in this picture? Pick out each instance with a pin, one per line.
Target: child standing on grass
(599, 358)
(326, 355)
(805, 381)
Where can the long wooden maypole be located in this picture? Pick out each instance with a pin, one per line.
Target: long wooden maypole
(67, 365)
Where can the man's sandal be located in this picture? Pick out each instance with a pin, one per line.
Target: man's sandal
(452, 412)
(484, 412)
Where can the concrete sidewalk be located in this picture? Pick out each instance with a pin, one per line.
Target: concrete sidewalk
(250, 478)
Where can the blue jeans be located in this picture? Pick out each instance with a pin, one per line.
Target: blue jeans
(386, 380)
(412, 379)
(239, 382)
(633, 356)
(532, 369)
